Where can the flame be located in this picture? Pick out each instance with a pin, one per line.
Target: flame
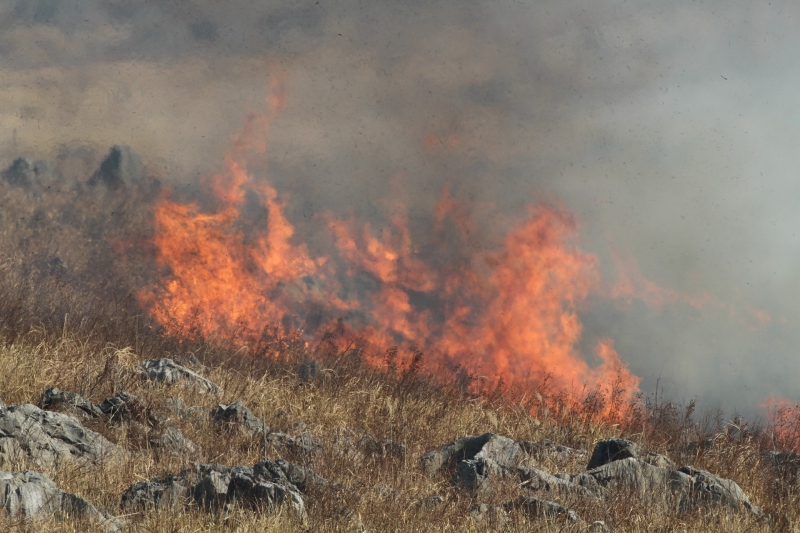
(783, 417)
(508, 311)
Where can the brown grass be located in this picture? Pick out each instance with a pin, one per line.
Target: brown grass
(77, 329)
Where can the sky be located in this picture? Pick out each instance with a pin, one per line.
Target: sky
(668, 129)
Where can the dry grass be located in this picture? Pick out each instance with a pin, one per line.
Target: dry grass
(76, 328)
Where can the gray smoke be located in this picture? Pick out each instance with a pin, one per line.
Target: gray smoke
(667, 128)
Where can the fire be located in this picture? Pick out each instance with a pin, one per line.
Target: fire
(783, 417)
(508, 311)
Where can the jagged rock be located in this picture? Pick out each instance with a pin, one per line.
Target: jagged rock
(174, 441)
(120, 167)
(538, 480)
(54, 399)
(501, 450)
(303, 444)
(631, 474)
(167, 371)
(237, 413)
(22, 173)
(32, 495)
(699, 486)
(214, 486)
(543, 509)
(119, 407)
(159, 494)
(615, 449)
(598, 526)
(47, 438)
(176, 407)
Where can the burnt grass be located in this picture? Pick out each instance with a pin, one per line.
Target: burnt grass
(69, 269)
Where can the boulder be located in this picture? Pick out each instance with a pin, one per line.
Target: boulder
(48, 438)
(610, 450)
(169, 372)
(695, 486)
(303, 444)
(120, 407)
(213, 487)
(120, 167)
(500, 450)
(547, 452)
(72, 403)
(239, 415)
(173, 441)
(22, 173)
(629, 474)
(534, 479)
(31, 495)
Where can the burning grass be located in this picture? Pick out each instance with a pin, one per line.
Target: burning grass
(397, 402)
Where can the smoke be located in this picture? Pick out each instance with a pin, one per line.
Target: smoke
(666, 130)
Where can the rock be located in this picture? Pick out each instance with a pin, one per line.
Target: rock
(694, 486)
(32, 495)
(54, 399)
(213, 486)
(119, 407)
(632, 474)
(610, 450)
(501, 450)
(22, 173)
(303, 444)
(120, 167)
(543, 509)
(538, 480)
(174, 441)
(238, 414)
(177, 408)
(169, 372)
(48, 438)
(158, 494)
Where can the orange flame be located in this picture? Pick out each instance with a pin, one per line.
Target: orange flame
(508, 312)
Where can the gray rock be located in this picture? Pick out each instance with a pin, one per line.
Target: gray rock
(538, 480)
(119, 407)
(72, 403)
(633, 475)
(695, 486)
(543, 509)
(610, 450)
(32, 495)
(169, 372)
(177, 408)
(303, 444)
(501, 450)
(120, 167)
(213, 487)
(48, 439)
(159, 494)
(22, 173)
(238, 414)
(174, 441)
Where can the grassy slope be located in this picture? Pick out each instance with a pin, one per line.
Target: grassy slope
(407, 409)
